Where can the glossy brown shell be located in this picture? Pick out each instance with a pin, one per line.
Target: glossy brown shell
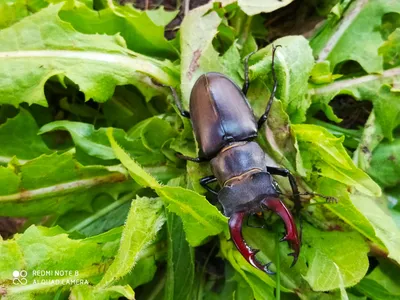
(220, 114)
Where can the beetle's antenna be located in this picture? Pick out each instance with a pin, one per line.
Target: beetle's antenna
(246, 73)
(264, 117)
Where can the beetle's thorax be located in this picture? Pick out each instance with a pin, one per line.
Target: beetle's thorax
(237, 161)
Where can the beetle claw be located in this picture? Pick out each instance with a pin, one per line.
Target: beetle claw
(295, 257)
(235, 227)
(291, 236)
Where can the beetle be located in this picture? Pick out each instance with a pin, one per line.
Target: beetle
(225, 128)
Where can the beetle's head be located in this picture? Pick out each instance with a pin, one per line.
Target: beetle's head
(253, 195)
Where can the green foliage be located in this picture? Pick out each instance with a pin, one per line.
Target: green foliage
(89, 135)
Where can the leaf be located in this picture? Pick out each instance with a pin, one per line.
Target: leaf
(254, 7)
(87, 292)
(340, 41)
(54, 184)
(261, 284)
(200, 219)
(23, 142)
(382, 282)
(385, 227)
(293, 65)
(52, 251)
(53, 48)
(371, 137)
(143, 31)
(334, 258)
(180, 262)
(141, 142)
(385, 163)
(390, 50)
(11, 12)
(326, 156)
(144, 220)
(376, 88)
(106, 213)
(198, 54)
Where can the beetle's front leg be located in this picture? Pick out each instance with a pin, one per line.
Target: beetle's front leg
(178, 103)
(286, 173)
(205, 181)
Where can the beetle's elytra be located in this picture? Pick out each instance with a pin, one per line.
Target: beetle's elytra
(225, 128)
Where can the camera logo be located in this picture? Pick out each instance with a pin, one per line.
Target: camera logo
(19, 277)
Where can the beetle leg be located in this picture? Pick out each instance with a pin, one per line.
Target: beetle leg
(246, 73)
(276, 205)
(286, 173)
(264, 117)
(235, 228)
(207, 180)
(178, 103)
(193, 159)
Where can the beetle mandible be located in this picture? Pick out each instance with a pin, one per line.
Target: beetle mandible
(225, 128)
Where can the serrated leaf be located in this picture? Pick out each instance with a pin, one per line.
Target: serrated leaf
(342, 41)
(32, 54)
(200, 219)
(87, 292)
(390, 50)
(23, 142)
(144, 220)
(143, 31)
(326, 156)
(180, 262)
(335, 258)
(54, 184)
(379, 89)
(293, 65)
(106, 213)
(51, 250)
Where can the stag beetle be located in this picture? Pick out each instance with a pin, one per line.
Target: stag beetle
(225, 128)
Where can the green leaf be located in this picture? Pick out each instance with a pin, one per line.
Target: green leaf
(254, 7)
(385, 227)
(325, 155)
(376, 88)
(11, 12)
(54, 184)
(143, 142)
(97, 63)
(106, 213)
(23, 142)
(198, 54)
(261, 284)
(293, 65)
(200, 219)
(143, 31)
(48, 254)
(180, 263)
(87, 292)
(340, 41)
(385, 163)
(144, 220)
(382, 282)
(335, 258)
(390, 50)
